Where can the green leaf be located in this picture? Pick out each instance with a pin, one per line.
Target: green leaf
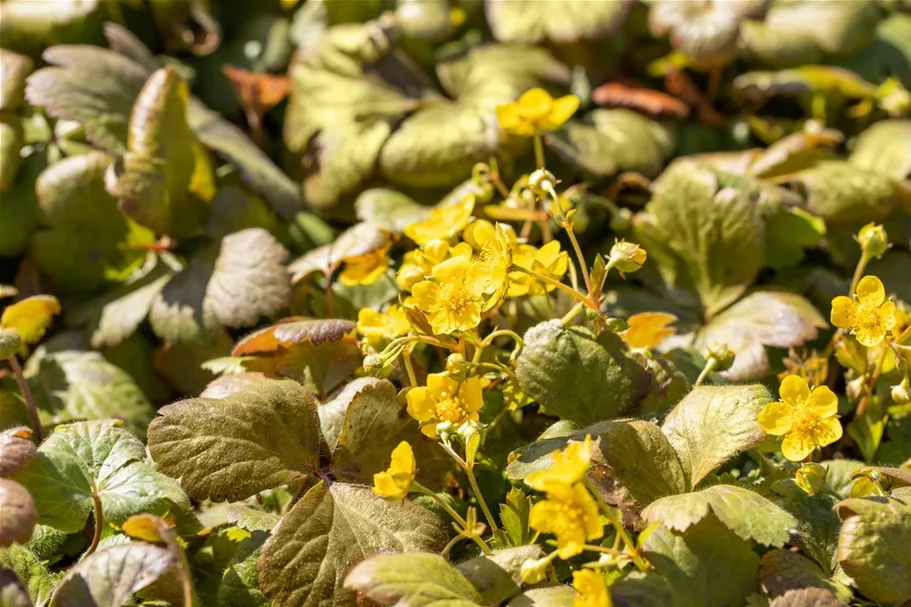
(235, 447)
(164, 169)
(235, 209)
(817, 523)
(514, 514)
(231, 284)
(388, 209)
(532, 22)
(12, 593)
(20, 208)
(251, 519)
(110, 577)
(885, 149)
(413, 579)
(763, 318)
(331, 530)
(605, 142)
(96, 458)
(11, 140)
(693, 426)
(93, 86)
(577, 376)
(16, 449)
(708, 565)
(71, 385)
(873, 546)
(32, 573)
(84, 240)
(498, 576)
(789, 232)
(744, 512)
(18, 511)
(702, 235)
(555, 595)
(783, 570)
(640, 457)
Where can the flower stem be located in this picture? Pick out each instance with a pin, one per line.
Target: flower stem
(568, 318)
(628, 543)
(708, 368)
(99, 523)
(27, 395)
(858, 273)
(481, 502)
(455, 515)
(539, 151)
(502, 333)
(555, 283)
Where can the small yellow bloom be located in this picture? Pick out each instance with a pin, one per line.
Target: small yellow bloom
(549, 261)
(591, 588)
(365, 269)
(445, 399)
(443, 222)
(379, 326)
(806, 419)
(493, 246)
(454, 297)
(417, 265)
(568, 468)
(648, 329)
(871, 317)
(395, 482)
(570, 513)
(536, 111)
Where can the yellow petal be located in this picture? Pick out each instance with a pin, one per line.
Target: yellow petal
(561, 110)
(471, 394)
(844, 309)
(797, 446)
(31, 317)
(887, 315)
(827, 432)
(403, 460)
(794, 390)
(871, 334)
(425, 294)
(534, 104)
(591, 588)
(870, 291)
(421, 405)
(441, 385)
(776, 418)
(823, 402)
(648, 329)
(384, 486)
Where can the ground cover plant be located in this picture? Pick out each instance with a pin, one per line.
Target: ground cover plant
(438, 303)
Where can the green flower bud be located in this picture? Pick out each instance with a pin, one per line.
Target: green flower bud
(901, 393)
(873, 240)
(542, 182)
(626, 257)
(445, 430)
(723, 356)
(535, 571)
(812, 477)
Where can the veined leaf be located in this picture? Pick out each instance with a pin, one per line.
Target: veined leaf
(415, 579)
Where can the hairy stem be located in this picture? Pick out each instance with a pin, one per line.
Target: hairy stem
(27, 395)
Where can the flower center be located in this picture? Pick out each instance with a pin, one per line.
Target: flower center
(455, 298)
(570, 516)
(807, 422)
(868, 318)
(451, 408)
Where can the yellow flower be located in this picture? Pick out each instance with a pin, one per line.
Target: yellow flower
(806, 419)
(395, 482)
(443, 222)
(365, 269)
(591, 588)
(445, 399)
(570, 513)
(454, 297)
(871, 317)
(417, 265)
(568, 468)
(627, 257)
(549, 260)
(378, 326)
(648, 329)
(493, 246)
(536, 111)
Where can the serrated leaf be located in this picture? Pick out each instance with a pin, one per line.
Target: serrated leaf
(328, 532)
(84, 241)
(96, 458)
(532, 22)
(692, 427)
(702, 235)
(707, 565)
(641, 458)
(93, 86)
(155, 183)
(232, 448)
(498, 576)
(110, 577)
(252, 519)
(231, 284)
(744, 512)
(782, 570)
(873, 546)
(514, 513)
(605, 142)
(18, 512)
(31, 317)
(763, 318)
(71, 385)
(32, 573)
(577, 376)
(413, 579)
(16, 449)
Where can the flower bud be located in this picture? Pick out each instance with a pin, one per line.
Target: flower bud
(535, 571)
(470, 433)
(626, 256)
(445, 430)
(456, 366)
(542, 182)
(616, 324)
(901, 393)
(873, 240)
(855, 388)
(376, 365)
(812, 477)
(723, 356)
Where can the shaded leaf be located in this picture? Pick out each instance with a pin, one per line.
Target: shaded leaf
(110, 577)
(32, 573)
(414, 579)
(531, 21)
(232, 448)
(782, 570)
(556, 595)
(12, 593)
(885, 149)
(498, 576)
(18, 512)
(807, 597)
(331, 530)
(692, 427)
(389, 209)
